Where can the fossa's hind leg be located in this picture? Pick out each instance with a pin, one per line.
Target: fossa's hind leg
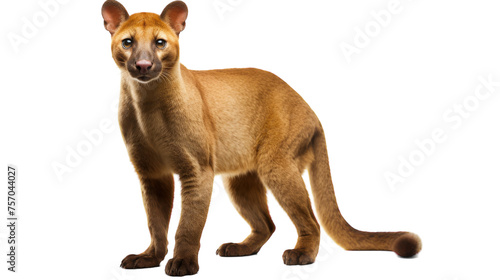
(249, 198)
(283, 178)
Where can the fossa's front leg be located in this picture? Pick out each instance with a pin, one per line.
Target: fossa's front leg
(158, 196)
(195, 194)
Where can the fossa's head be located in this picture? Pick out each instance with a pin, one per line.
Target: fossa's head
(145, 44)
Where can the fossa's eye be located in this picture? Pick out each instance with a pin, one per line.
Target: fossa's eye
(161, 44)
(127, 43)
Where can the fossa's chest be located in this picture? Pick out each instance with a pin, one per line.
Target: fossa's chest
(167, 133)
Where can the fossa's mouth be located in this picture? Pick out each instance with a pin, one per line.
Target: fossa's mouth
(144, 78)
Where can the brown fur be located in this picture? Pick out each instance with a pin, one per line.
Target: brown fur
(246, 124)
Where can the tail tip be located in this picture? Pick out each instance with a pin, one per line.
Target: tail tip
(407, 245)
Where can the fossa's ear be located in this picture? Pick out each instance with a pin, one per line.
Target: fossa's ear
(113, 14)
(175, 14)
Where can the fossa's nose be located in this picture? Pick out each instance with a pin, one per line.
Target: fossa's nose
(143, 66)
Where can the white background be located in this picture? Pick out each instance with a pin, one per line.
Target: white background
(62, 81)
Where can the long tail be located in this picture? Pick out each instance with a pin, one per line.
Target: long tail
(405, 244)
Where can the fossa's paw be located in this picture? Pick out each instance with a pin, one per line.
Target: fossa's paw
(234, 250)
(297, 257)
(140, 261)
(182, 266)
